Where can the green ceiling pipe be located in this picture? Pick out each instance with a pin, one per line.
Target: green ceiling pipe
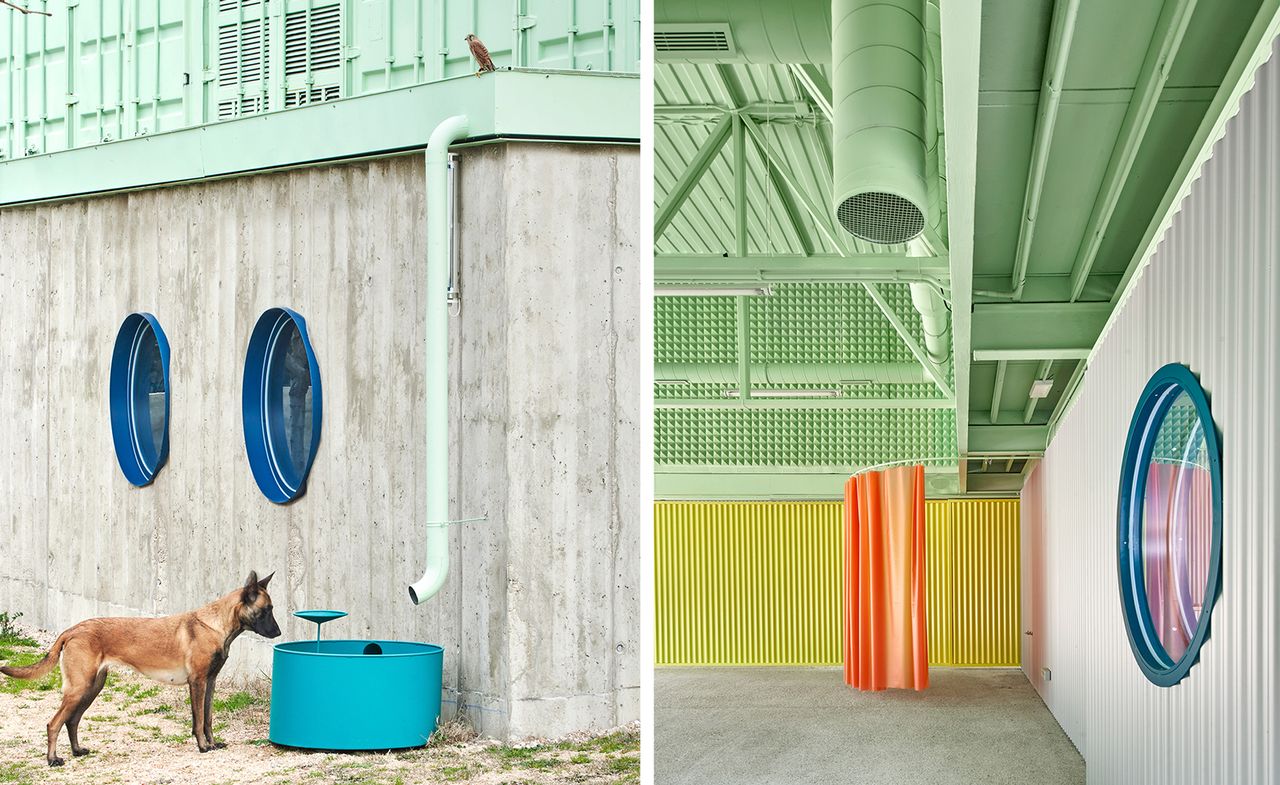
(935, 321)
(760, 31)
(770, 374)
(878, 99)
(436, 372)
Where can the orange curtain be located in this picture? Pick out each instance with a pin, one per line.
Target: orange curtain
(885, 642)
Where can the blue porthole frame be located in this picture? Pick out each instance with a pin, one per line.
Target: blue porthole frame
(1157, 398)
(138, 463)
(277, 479)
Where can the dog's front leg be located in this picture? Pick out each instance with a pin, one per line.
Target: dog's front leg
(198, 691)
(208, 711)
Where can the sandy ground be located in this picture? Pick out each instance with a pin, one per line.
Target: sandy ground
(139, 732)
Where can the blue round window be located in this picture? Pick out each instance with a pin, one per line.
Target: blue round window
(139, 395)
(1169, 525)
(282, 404)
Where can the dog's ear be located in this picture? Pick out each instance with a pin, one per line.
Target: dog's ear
(262, 584)
(249, 594)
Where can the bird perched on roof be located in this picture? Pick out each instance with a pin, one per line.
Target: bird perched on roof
(480, 53)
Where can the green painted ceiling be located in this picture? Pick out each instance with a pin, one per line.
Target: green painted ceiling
(821, 319)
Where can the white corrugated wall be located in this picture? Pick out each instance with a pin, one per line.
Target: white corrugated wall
(1207, 300)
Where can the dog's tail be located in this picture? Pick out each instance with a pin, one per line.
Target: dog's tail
(41, 668)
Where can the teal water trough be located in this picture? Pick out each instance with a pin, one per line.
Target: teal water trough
(354, 694)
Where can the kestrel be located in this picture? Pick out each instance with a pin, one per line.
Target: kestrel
(480, 53)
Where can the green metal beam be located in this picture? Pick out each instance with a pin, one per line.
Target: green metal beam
(1165, 41)
(1021, 355)
(743, 306)
(913, 345)
(997, 391)
(820, 216)
(739, 188)
(1037, 326)
(1007, 439)
(733, 90)
(805, 404)
(763, 482)
(715, 268)
(1254, 50)
(689, 179)
(961, 20)
(597, 107)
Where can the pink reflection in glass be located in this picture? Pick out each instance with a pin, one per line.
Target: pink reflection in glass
(1177, 524)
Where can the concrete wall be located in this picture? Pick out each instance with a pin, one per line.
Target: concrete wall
(1207, 300)
(540, 615)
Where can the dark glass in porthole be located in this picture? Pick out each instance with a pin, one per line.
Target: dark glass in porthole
(289, 397)
(139, 396)
(282, 404)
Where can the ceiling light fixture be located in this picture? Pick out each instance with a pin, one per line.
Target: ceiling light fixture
(712, 291)
(765, 393)
(1040, 388)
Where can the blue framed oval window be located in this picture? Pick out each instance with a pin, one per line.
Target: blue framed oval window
(1169, 525)
(139, 394)
(282, 404)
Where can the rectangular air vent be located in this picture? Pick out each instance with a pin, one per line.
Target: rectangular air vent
(684, 41)
(231, 5)
(323, 35)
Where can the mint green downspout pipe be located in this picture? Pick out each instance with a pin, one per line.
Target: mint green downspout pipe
(437, 364)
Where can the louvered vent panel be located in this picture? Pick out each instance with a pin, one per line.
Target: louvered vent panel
(324, 34)
(231, 5)
(250, 104)
(242, 52)
(682, 40)
(314, 95)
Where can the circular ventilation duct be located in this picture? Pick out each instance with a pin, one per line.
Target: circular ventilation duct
(879, 217)
(878, 96)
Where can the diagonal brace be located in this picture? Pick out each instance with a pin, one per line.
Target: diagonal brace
(697, 168)
(917, 351)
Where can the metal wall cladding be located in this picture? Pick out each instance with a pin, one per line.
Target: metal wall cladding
(759, 583)
(1207, 300)
(114, 69)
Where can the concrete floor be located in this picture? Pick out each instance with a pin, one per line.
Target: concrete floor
(792, 726)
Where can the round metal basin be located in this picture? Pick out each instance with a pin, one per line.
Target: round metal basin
(355, 695)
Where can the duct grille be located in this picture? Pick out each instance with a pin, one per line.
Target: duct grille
(693, 40)
(242, 52)
(880, 217)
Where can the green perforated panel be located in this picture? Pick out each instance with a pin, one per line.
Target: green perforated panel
(925, 391)
(799, 323)
(785, 437)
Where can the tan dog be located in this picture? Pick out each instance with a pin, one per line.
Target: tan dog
(186, 648)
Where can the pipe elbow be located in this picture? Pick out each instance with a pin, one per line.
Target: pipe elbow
(429, 584)
(450, 130)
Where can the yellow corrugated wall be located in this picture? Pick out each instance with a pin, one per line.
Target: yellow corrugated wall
(759, 583)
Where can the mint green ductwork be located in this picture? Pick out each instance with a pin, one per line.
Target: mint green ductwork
(878, 119)
(877, 52)
(436, 371)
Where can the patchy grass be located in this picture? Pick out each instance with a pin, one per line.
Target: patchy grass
(23, 657)
(17, 774)
(11, 635)
(235, 702)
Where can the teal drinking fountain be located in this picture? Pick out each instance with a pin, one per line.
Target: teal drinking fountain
(354, 694)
